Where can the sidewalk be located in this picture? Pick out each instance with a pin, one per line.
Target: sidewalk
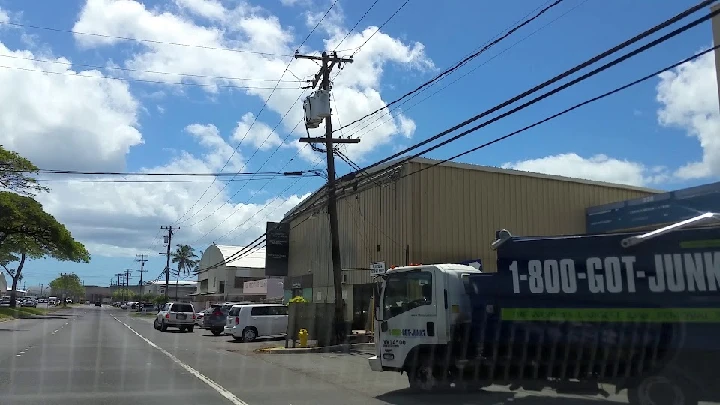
(343, 348)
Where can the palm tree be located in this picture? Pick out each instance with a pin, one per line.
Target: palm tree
(187, 262)
(185, 258)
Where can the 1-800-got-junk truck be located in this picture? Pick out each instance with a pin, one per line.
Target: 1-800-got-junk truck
(639, 311)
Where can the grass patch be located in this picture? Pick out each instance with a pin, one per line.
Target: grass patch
(21, 312)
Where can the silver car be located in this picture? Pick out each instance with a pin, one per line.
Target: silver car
(177, 315)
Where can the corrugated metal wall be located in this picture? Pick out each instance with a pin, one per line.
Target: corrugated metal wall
(443, 214)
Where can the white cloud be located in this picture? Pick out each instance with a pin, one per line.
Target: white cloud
(67, 122)
(210, 9)
(64, 121)
(252, 29)
(120, 219)
(598, 167)
(689, 99)
(258, 134)
(4, 17)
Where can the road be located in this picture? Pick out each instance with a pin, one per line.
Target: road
(91, 355)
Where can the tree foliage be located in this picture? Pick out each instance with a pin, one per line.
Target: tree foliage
(123, 294)
(68, 285)
(15, 173)
(186, 259)
(28, 232)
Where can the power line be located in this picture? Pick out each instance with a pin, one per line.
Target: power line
(124, 69)
(167, 174)
(265, 104)
(267, 204)
(356, 50)
(563, 112)
(167, 181)
(356, 24)
(147, 41)
(396, 107)
(455, 67)
(125, 79)
(270, 133)
(557, 78)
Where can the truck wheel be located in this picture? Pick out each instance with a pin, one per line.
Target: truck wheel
(662, 390)
(423, 378)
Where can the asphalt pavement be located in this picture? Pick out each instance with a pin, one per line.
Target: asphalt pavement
(91, 355)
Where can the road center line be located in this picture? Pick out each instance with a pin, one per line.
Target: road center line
(217, 387)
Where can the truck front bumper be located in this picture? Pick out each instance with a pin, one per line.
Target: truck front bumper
(375, 364)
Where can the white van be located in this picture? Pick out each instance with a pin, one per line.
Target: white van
(246, 322)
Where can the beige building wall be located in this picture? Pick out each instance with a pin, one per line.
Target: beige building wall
(446, 213)
(716, 41)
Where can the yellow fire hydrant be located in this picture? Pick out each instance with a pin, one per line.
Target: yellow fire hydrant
(303, 337)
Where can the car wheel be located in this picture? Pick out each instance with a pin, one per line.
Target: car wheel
(249, 334)
(156, 324)
(163, 327)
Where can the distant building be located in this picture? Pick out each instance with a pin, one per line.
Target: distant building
(3, 283)
(223, 276)
(180, 290)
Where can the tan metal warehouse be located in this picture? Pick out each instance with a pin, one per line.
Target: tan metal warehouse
(443, 213)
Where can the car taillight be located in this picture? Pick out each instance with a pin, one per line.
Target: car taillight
(237, 320)
(167, 316)
(193, 316)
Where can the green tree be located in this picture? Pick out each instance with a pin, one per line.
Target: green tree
(68, 285)
(122, 294)
(15, 173)
(185, 258)
(28, 232)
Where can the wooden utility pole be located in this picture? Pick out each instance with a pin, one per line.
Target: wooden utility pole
(142, 259)
(127, 280)
(167, 263)
(122, 295)
(328, 63)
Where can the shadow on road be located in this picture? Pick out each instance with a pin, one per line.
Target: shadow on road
(259, 340)
(481, 397)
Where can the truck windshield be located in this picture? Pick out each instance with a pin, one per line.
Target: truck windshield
(405, 291)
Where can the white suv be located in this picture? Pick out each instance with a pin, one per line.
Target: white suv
(246, 322)
(175, 314)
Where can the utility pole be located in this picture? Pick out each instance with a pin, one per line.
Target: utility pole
(127, 279)
(167, 263)
(122, 295)
(328, 63)
(142, 260)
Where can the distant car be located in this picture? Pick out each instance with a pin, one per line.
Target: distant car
(98, 303)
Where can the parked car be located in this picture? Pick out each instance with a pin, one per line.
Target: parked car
(29, 303)
(98, 303)
(214, 319)
(247, 322)
(177, 315)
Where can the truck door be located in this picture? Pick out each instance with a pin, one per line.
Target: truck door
(408, 314)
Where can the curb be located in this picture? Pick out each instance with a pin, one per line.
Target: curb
(344, 348)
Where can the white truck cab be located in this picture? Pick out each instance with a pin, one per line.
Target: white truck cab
(415, 309)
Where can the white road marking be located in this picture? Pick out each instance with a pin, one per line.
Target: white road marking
(217, 387)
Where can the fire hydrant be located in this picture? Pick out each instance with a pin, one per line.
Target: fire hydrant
(303, 337)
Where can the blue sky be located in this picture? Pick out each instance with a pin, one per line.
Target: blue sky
(100, 124)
